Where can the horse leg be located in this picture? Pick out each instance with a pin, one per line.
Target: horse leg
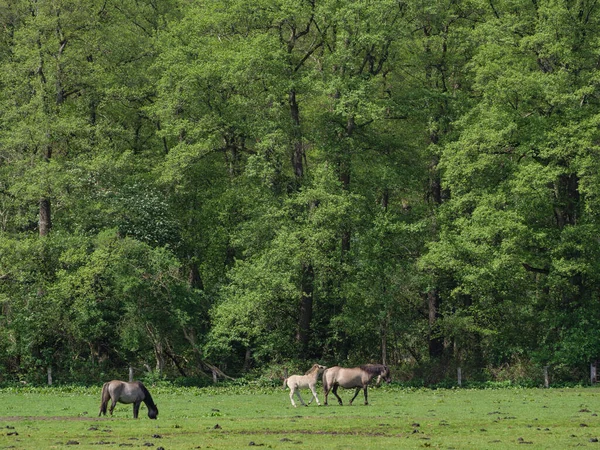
(326, 393)
(314, 397)
(300, 397)
(334, 390)
(292, 398)
(136, 409)
(113, 403)
(366, 400)
(355, 394)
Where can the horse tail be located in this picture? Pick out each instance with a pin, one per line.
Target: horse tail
(105, 396)
(325, 381)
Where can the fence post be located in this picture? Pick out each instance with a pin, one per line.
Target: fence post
(49, 375)
(593, 373)
(214, 375)
(459, 376)
(546, 377)
(130, 374)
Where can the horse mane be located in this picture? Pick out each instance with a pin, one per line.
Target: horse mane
(147, 397)
(373, 368)
(313, 369)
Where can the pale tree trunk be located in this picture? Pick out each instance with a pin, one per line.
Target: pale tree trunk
(160, 357)
(159, 354)
(45, 219)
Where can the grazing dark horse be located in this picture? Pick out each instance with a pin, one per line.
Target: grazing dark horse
(356, 377)
(124, 392)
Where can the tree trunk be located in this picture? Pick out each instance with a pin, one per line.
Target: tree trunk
(306, 309)
(247, 359)
(45, 219)
(385, 199)
(346, 157)
(171, 354)
(160, 357)
(297, 147)
(436, 342)
(567, 198)
(194, 278)
(345, 167)
(384, 338)
(307, 281)
(436, 198)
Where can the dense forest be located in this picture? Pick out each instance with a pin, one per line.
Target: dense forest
(190, 186)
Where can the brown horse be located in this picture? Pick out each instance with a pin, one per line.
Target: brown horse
(124, 392)
(356, 377)
(309, 380)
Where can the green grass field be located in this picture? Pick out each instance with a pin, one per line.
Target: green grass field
(226, 419)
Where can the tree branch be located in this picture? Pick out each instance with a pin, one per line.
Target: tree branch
(529, 268)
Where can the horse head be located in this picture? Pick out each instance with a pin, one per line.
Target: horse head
(153, 412)
(384, 374)
(318, 368)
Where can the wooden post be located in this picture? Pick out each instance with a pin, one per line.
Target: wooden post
(130, 374)
(546, 377)
(593, 378)
(459, 376)
(214, 374)
(49, 376)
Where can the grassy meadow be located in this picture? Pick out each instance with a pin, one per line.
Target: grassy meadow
(226, 418)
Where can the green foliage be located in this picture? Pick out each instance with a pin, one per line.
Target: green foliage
(187, 186)
(508, 233)
(303, 232)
